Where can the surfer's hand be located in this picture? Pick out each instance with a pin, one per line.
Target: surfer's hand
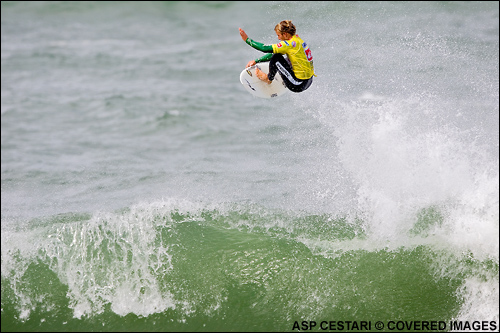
(243, 35)
(251, 63)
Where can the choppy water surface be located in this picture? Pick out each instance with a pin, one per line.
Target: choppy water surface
(144, 190)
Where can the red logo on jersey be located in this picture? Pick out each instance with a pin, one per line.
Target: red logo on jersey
(279, 45)
(308, 54)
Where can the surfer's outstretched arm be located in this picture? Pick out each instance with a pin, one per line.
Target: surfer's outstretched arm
(258, 46)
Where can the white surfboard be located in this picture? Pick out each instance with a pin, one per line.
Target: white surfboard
(259, 88)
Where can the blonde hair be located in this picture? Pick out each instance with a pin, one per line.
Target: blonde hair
(285, 27)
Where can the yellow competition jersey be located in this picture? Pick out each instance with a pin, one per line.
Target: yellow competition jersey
(299, 54)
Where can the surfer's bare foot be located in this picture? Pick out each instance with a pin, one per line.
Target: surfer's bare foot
(261, 75)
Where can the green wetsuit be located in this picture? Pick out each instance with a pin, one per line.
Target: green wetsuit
(261, 47)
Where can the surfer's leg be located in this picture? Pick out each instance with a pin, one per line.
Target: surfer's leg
(279, 63)
(273, 65)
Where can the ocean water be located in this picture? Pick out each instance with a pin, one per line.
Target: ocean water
(144, 190)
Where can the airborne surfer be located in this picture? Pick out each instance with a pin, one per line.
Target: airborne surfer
(297, 71)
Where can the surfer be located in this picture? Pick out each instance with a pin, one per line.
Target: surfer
(297, 71)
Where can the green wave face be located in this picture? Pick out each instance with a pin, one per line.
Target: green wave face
(161, 267)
